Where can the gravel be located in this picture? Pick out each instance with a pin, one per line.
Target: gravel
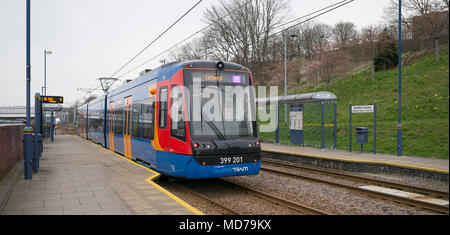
(325, 197)
(233, 198)
(407, 180)
(322, 196)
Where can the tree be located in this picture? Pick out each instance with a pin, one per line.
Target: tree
(312, 37)
(426, 19)
(242, 28)
(344, 33)
(387, 52)
(194, 50)
(430, 20)
(368, 43)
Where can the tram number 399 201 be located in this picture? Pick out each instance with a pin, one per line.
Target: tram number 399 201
(231, 160)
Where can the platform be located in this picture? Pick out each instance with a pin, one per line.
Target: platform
(360, 162)
(78, 177)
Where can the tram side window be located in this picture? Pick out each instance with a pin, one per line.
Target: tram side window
(178, 126)
(108, 121)
(102, 120)
(119, 121)
(116, 120)
(136, 109)
(127, 120)
(163, 97)
(111, 118)
(147, 119)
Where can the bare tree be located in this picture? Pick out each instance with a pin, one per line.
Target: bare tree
(426, 19)
(194, 50)
(244, 33)
(332, 60)
(344, 33)
(445, 2)
(312, 36)
(368, 43)
(391, 14)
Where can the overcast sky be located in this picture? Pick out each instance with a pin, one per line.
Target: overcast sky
(93, 38)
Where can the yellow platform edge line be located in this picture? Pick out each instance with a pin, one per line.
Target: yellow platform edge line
(151, 182)
(358, 161)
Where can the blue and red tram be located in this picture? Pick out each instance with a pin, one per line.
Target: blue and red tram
(164, 120)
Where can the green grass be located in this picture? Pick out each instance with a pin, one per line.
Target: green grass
(425, 109)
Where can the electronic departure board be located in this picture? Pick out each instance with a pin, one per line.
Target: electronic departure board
(52, 99)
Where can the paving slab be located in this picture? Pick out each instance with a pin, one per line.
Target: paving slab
(77, 177)
(364, 162)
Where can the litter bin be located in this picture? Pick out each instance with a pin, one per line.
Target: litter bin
(362, 136)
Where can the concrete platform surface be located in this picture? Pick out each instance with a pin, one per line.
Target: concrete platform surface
(420, 163)
(78, 177)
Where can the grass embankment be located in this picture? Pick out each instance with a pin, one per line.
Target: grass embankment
(425, 109)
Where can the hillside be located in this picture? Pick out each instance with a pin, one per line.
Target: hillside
(425, 109)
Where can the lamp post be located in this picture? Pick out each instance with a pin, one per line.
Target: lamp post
(45, 70)
(399, 125)
(28, 130)
(285, 73)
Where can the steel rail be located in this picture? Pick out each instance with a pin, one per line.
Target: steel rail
(220, 205)
(266, 196)
(409, 188)
(407, 201)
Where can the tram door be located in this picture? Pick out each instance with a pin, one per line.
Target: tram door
(111, 126)
(127, 127)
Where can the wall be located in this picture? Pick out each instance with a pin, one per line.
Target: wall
(11, 146)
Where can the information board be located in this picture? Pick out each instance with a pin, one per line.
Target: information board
(296, 118)
(52, 99)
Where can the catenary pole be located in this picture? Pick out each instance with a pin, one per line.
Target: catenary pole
(399, 126)
(28, 130)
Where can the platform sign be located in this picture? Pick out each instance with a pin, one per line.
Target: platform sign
(363, 109)
(296, 118)
(296, 124)
(52, 99)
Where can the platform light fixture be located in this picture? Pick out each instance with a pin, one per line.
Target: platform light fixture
(285, 72)
(46, 52)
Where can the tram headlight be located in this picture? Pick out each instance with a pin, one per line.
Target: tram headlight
(220, 65)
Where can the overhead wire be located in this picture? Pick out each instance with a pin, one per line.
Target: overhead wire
(332, 6)
(156, 39)
(151, 43)
(322, 11)
(179, 43)
(203, 29)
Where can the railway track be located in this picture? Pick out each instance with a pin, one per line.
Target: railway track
(302, 209)
(403, 200)
(291, 204)
(228, 210)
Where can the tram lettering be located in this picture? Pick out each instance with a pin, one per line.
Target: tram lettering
(240, 169)
(214, 78)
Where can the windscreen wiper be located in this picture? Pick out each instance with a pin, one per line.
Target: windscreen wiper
(214, 127)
